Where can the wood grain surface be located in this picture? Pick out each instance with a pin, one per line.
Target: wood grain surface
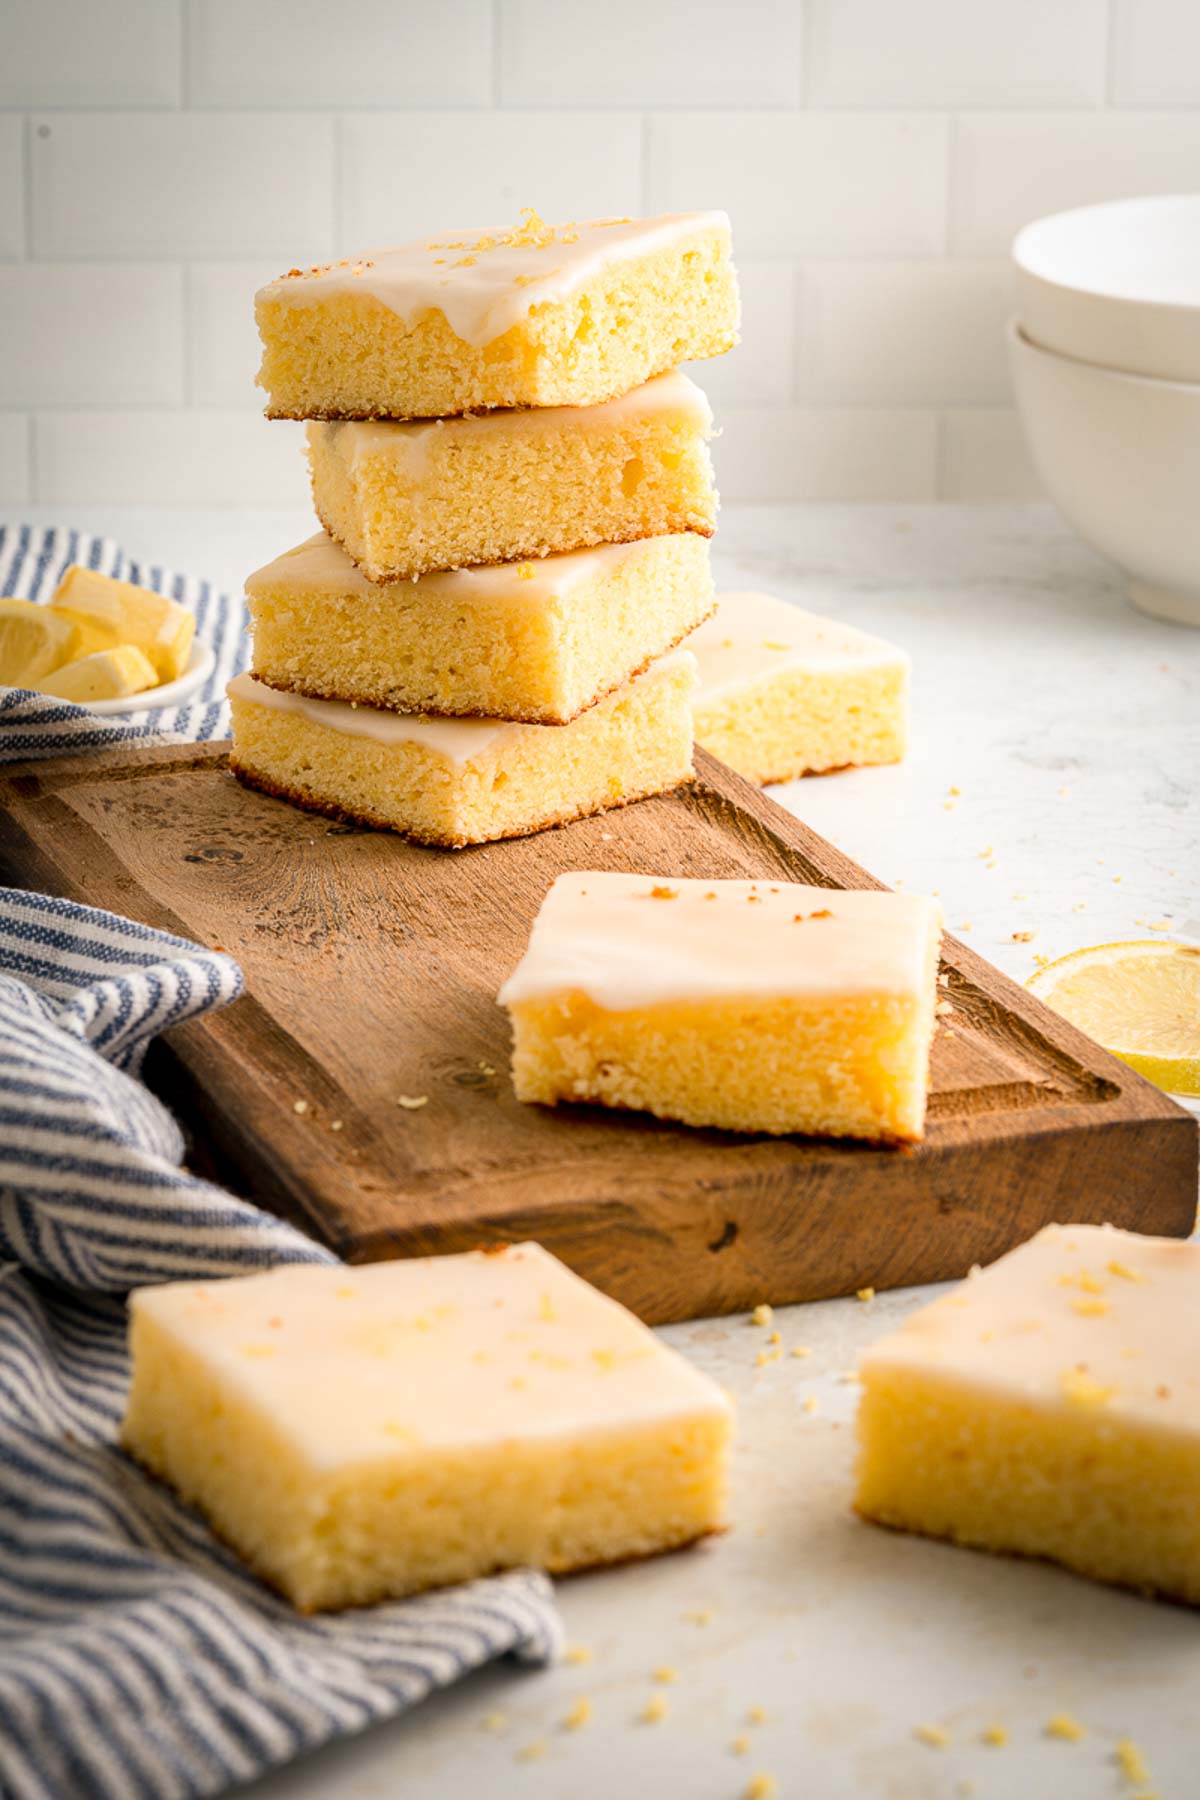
(371, 971)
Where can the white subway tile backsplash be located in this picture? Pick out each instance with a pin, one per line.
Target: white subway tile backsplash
(487, 166)
(759, 371)
(167, 459)
(1156, 53)
(12, 187)
(223, 348)
(827, 454)
(904, 333)
(108, 334)
(1014, 167)
(688, 53)
(808, 184)
(368, 53)
(161, 159)
(91, 53)
(984, 457)
(183, 184)
(956, 52)
(14, 459)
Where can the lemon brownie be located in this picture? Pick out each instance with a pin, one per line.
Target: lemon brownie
(1049, 1407)
(784, 692)
(753, 1006)
(543, 315)
(360, 1434)
(408, 497)
(107, 613)
(466, 781)
(537, 641)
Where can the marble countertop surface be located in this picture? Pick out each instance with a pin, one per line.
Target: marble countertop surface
(1051, 787)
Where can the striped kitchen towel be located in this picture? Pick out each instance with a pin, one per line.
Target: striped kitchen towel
(32, 560)
(138, 1659)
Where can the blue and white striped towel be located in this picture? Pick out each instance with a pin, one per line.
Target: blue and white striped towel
(138, 1659)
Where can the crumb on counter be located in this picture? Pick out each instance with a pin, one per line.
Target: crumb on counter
(655, 1710)
(1066, 1727)
(762, 1315)
(935, 1737)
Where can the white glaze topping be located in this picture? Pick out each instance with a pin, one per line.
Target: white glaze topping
(408, 442)
(321, 566)
(393, 1358)
(486, 281)
(629, 941)
(1081, 1315)
(460, 741)
(755, 635)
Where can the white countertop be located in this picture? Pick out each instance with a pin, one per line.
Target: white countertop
(1071, 727)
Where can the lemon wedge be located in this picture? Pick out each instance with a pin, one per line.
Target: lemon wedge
(104, 675)
(108, 613)
(33, 642)
(1141, 1000)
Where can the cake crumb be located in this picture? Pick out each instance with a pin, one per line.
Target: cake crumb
(336, 1125)
(1079, 1388)
(801, 1350)
(532, 1752)
(299, 1106)
(701, 1616)
(761, 1786)
(936, 1737)
(740, 1745)
(756, 1715)
(1124, 1271)
(812, 1404)
(943, 1007)
(494, 1721)
(864, 1293)
(1159, 924)
(662, 892)
(1088, 1307)
(1131, 1762)
(655, 1710)
(486, 1068)
(1023, 937)
(1066, 1727)
(411, 1102)
(776, 1337)
(579, 1715)
(665, 1673)
(994, 1735)
(762, 1314)
(767, 1356)
(577, 1655)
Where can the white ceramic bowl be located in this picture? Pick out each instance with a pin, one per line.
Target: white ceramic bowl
(1120, 457)
(199, 667)
(1117, 285)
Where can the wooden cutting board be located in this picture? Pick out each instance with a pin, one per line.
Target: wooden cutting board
(371, 970)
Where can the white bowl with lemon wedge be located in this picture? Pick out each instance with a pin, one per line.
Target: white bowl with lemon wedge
(102, 643)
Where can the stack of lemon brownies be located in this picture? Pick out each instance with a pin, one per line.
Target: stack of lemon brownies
(516, 492)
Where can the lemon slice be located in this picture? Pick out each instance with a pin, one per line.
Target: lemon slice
(1141, 1000)
(104, 675)
(33, 642)
(109, 613)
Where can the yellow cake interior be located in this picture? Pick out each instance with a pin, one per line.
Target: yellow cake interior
(348, 355)
(494, 781)
(407, 498)
(1050, 1408)
(538, 641)
(853, 1068)
(363, 1434)
(797, 723)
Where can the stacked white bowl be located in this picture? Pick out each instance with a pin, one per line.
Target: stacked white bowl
(1105, 353)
